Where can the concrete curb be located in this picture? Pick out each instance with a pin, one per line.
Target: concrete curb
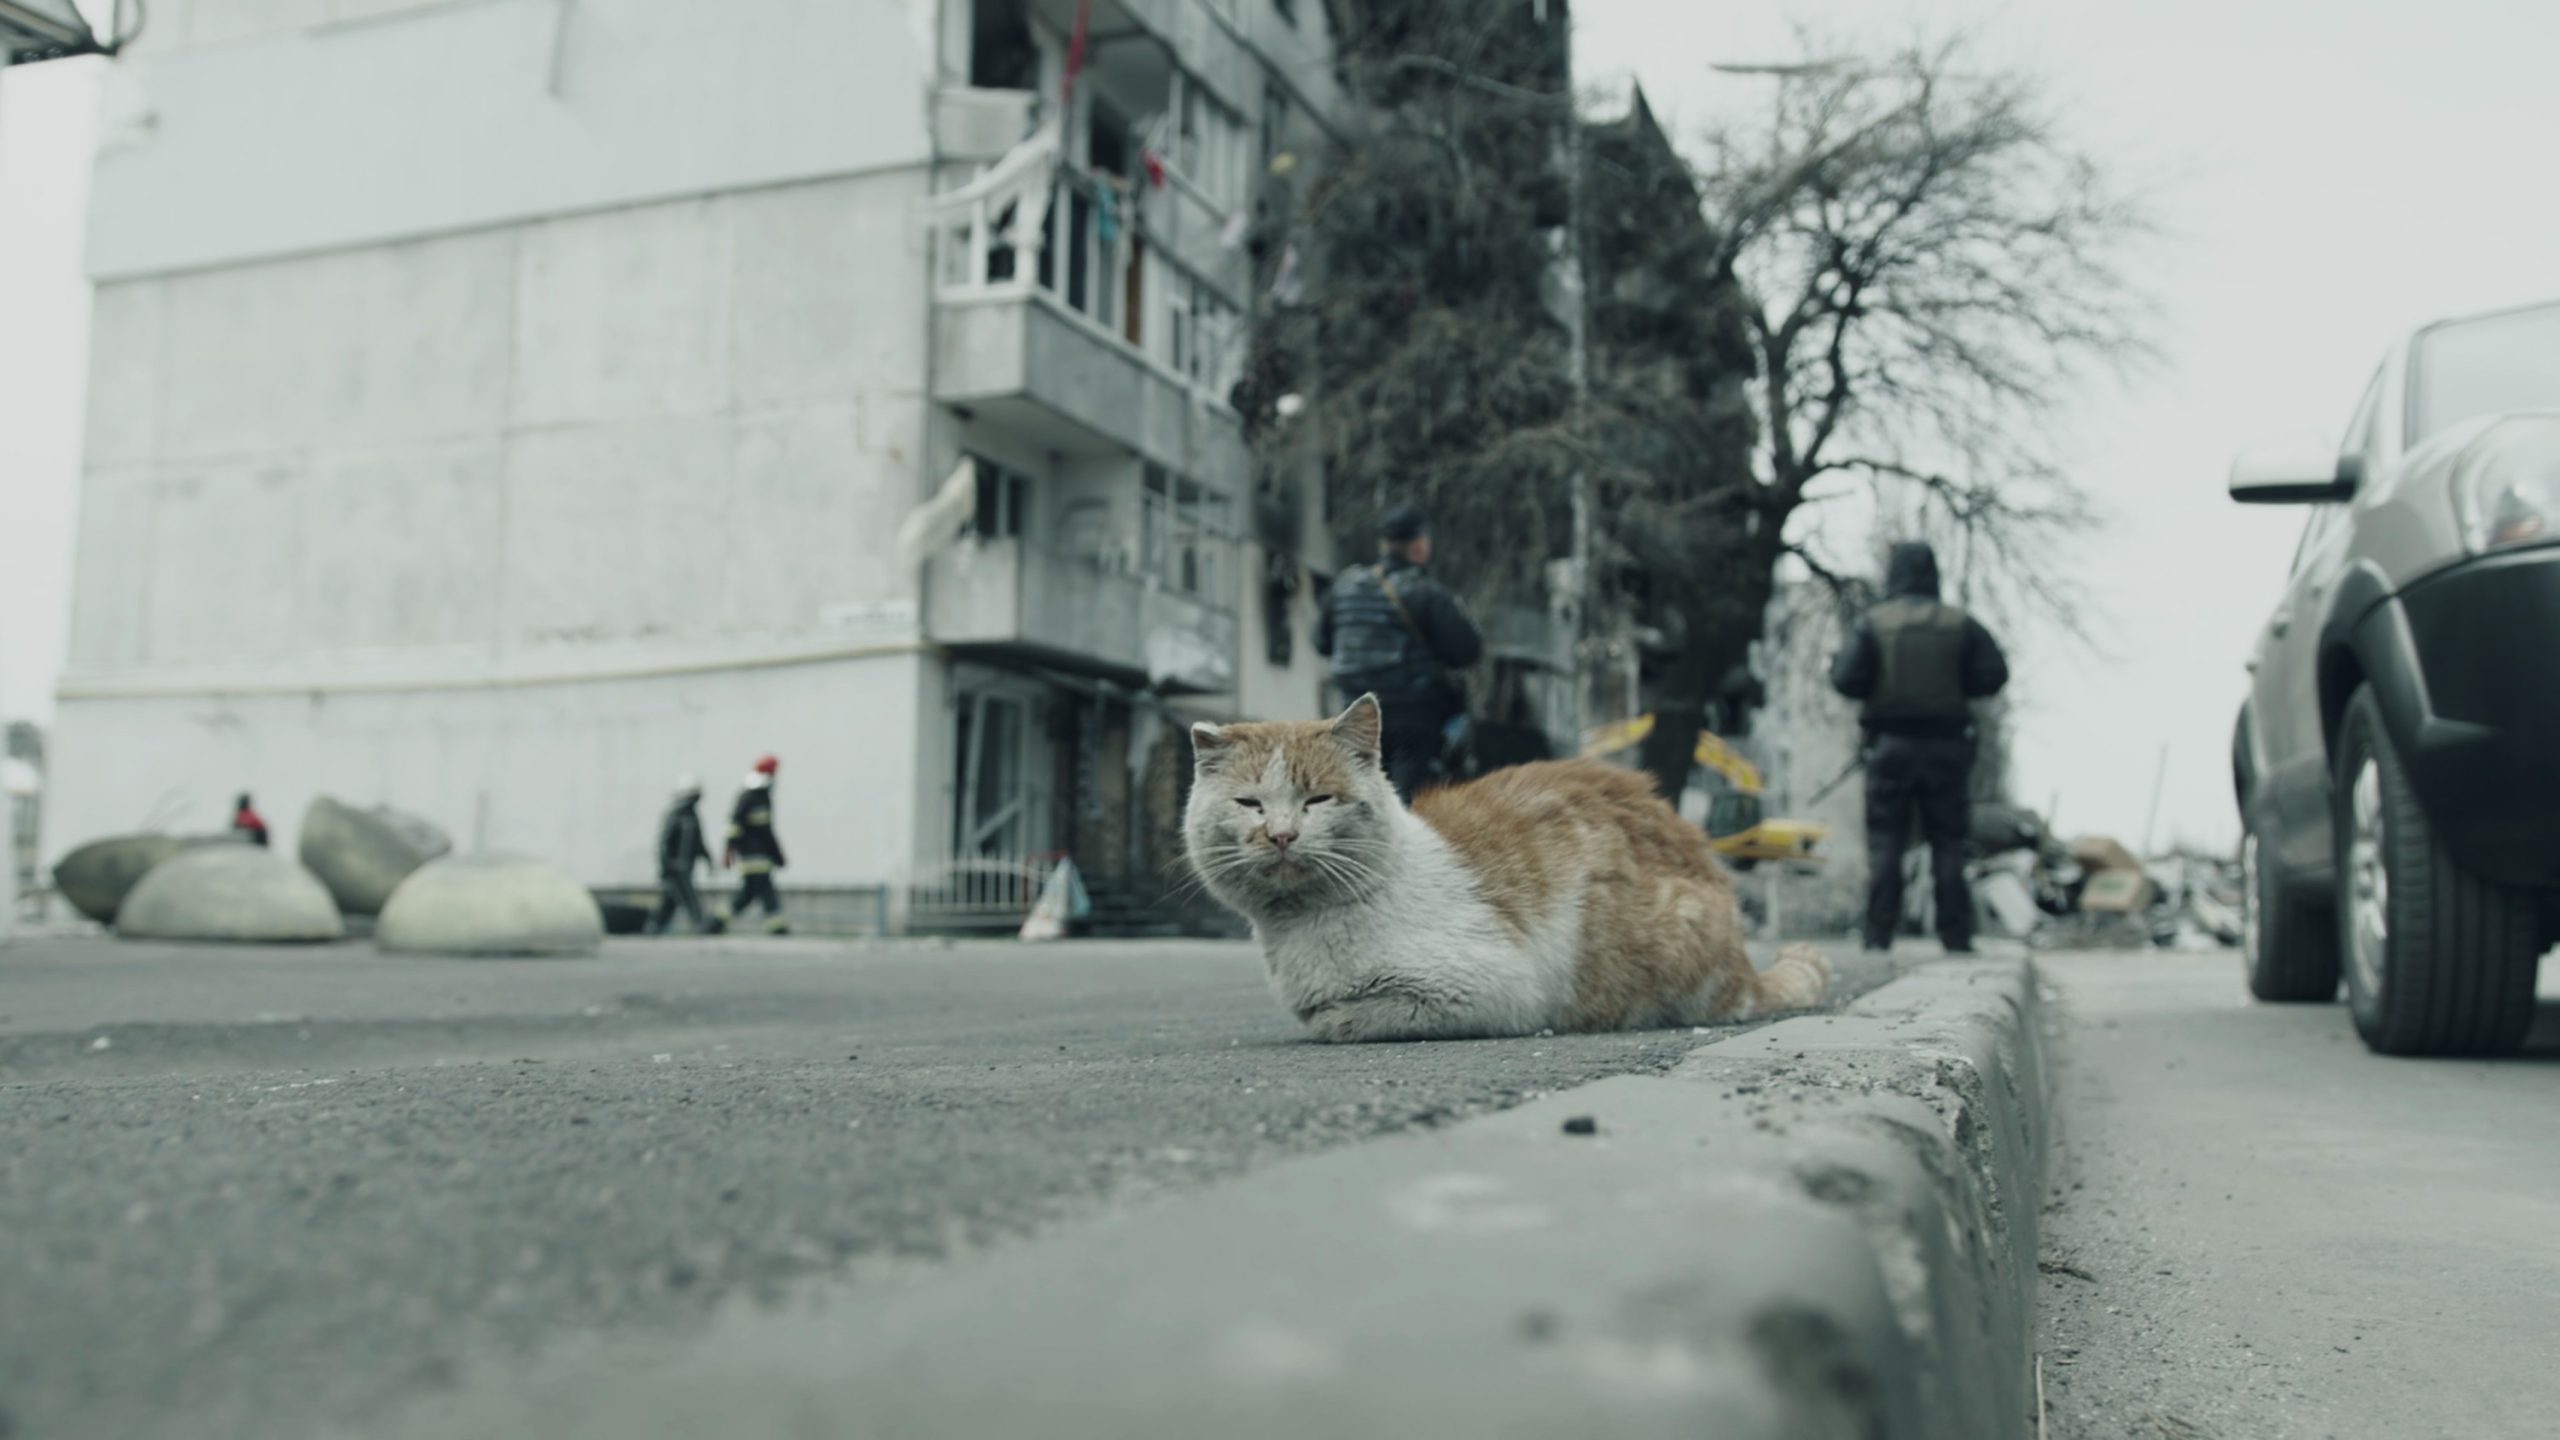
(1920, 1112)
(1823, 1227)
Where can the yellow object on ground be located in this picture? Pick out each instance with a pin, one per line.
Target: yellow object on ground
(1735, 826)
(1713, 751)
(1796, 840)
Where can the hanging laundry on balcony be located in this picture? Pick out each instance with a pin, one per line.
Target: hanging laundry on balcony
(1288, 287)
(1012, 195)
(1106, 213)
(1232, 233)
(1154, 165)
(943, 519)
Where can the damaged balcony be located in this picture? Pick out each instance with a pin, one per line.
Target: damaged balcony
(1087, 274)
(1105, 346)
(1005, 597)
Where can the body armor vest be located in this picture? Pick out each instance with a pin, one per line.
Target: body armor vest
(1373, 647)
(1920, 647)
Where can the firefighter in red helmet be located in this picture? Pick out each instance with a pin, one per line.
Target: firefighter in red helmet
(755, 849)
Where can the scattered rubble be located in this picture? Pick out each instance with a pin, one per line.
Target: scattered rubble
(2091, 893)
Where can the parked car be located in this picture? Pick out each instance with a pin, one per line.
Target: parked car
(2398, 759)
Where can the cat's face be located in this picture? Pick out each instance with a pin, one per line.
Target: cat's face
(1283, 815)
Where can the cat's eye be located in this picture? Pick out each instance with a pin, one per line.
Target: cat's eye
(1248, 804)
(1314, 800)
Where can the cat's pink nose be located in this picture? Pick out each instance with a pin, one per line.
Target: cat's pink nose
(1283, 839)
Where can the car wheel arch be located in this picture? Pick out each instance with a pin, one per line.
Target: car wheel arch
(2342, 666)
(2244, 766)
(2342, 674)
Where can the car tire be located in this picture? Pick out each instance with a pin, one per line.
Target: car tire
(2438, 960)
(2291, 947)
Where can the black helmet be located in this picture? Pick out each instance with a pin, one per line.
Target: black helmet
(1911, 569)
(1403, 525)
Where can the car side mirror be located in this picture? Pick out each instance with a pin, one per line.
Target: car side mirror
(2294, 470)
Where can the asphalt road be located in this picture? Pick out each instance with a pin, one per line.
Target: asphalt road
(250, 1192)
(2260, 1230)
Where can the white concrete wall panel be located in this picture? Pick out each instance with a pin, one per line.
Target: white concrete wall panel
(227, 543)
(528, 436)
(403, 549)
(574, 774)
(223, 22)
(366, 347)
(624, 315)
(615, 531)
(273, 134)
(806, 472)
(111, 568)
(828, 289)
(124, 373)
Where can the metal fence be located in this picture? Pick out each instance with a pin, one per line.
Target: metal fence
(978, 892)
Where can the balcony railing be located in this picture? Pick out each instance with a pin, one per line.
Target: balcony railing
(1084, 243)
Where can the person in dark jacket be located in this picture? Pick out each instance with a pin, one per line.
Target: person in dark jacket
(1917, 664)
(755, 849)
(247, 823)
(680, 848)
(1393, 631)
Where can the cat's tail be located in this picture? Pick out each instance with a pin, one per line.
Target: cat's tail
(1797, 981)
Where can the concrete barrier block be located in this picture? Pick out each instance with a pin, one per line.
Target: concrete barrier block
(363, 855)
(97, 876)
(490, 905)
(245, 894)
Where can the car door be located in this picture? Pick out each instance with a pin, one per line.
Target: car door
(2285, 689)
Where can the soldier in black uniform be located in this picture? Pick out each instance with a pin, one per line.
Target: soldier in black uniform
(1393, 631)
(754, 848)
(1918, 663)
(680, 848)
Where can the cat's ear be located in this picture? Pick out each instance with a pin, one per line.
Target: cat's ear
(1208, 742)
(1359, 727)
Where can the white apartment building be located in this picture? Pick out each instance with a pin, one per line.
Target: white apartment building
(498, 407)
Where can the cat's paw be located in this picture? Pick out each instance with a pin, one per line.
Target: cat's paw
(1352, 1022)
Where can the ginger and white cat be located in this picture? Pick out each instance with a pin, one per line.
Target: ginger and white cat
(1563, 895)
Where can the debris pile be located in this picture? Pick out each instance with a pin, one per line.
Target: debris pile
(2090, 893)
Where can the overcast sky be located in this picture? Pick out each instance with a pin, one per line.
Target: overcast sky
(2330, 172)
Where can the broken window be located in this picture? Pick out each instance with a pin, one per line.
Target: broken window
(991, 794)
(1275, 119)
(1004, 501)
(1002, 53)
(1107, 140)
(1185, 534)
(1208, 144)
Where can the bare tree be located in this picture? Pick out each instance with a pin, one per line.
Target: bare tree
(1931, 267)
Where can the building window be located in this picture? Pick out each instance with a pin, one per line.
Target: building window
(1181, 296)
(1208, 143)
(1004, 501)
(1216, 355)
(1002, 53)
(992, 796)
(1275, 119)
(1185, 535)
